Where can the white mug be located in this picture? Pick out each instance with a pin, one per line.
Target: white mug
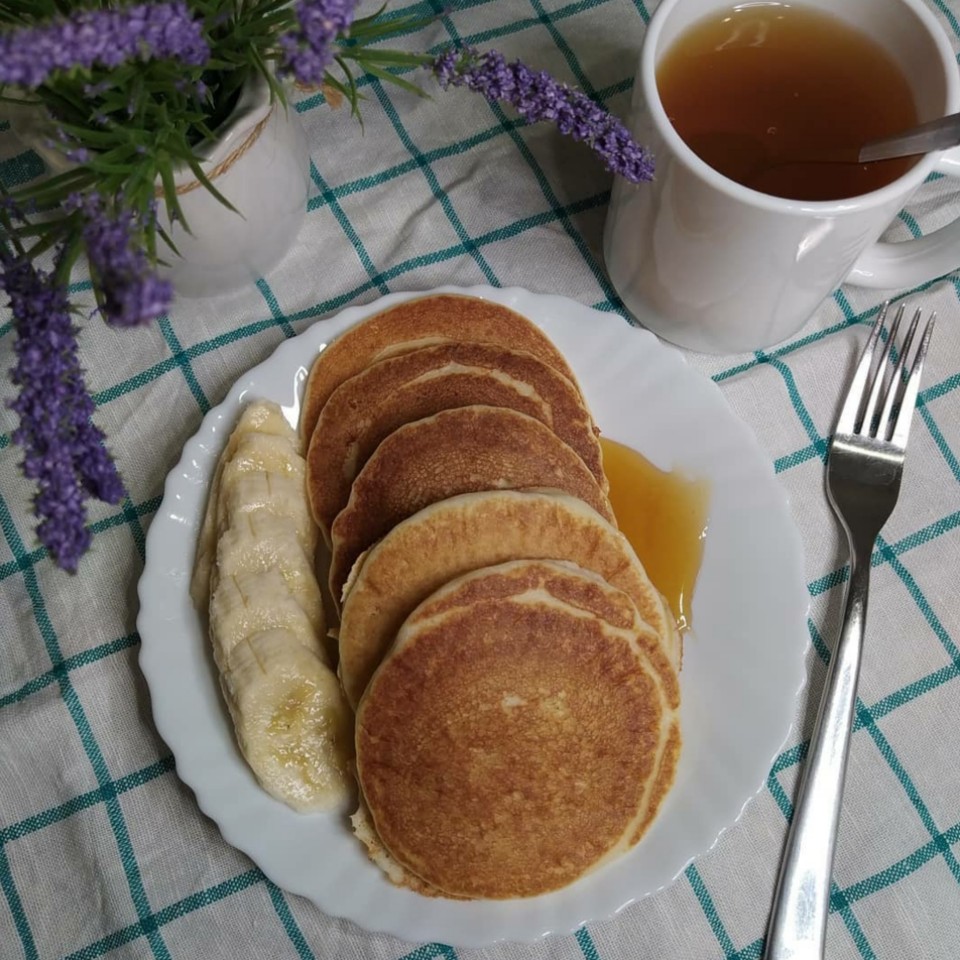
(719, 268)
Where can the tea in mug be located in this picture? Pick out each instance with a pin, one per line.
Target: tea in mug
(753, 89)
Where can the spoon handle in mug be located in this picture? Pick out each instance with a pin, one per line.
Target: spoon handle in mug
(940, 134)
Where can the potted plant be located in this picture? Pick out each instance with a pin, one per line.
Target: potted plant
(165, 126)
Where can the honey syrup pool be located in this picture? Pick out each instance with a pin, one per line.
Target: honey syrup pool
(664, 516)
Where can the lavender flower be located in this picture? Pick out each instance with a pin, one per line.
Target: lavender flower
(130, 293)
(69, 146)
(308, 51)
(106, 38)
(63, 450)
(538, 96)
(78, 155)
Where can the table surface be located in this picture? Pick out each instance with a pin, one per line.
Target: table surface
(103, 851)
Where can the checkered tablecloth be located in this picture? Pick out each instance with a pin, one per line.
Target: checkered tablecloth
(103, 852)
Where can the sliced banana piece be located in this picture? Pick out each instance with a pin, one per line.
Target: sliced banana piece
(248, 603)
(262, 417)
(263, 451)
(274, 494)
(260, 542)
(292, 722)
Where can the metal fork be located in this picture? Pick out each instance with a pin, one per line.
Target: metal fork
(864, 468)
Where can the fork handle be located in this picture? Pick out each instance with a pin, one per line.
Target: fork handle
(798, 922)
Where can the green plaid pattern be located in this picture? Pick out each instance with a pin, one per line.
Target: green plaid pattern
(103, 852)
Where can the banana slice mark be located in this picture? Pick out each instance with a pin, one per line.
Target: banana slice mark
(244, 599)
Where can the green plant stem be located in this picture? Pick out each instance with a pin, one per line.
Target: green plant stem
(68, 258)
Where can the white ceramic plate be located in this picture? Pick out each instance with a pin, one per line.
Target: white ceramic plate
(743, 666)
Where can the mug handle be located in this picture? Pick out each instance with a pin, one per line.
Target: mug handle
(912, 262)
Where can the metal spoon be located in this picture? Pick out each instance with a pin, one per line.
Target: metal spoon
(939, 134)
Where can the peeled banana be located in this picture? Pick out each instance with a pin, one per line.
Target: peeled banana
(254, 578)
(290, 719)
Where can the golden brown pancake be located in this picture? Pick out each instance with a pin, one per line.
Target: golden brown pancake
(474, 530)
(364, 831)
(416, 323)
(371, 405)
(477, 739)
(463, 450)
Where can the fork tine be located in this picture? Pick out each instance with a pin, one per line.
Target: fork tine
(902, 429)
(897, 382)
(866, 426)
(847, 421)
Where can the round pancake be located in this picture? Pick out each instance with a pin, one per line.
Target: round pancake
(371, 405)
(479, 738)
(474, 530)
(417, 323)
(365, 832)
(463, 450)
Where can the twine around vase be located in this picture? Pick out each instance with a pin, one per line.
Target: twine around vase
(227, 162)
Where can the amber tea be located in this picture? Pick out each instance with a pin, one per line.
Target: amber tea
(752, 89)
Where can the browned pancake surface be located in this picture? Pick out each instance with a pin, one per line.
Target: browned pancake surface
(426, 319)
(463, 450)
(591, 594)
(371, 405)
(474, 530)
(662, 781)
(507, 743)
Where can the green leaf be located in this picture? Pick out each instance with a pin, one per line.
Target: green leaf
(68, 258)
(387, 77)
(363, 31)
(47, 243)
(24, 230)
(363, 21)
(88, 136)
(276, 91)
(187, 156)
(388, 56)
(55, 187)
(174, 210)
(150, 239)
(168, 240)
(352, 94)
(331, 81)
(19, 102)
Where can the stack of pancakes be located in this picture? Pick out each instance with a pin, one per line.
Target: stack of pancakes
(512, 668)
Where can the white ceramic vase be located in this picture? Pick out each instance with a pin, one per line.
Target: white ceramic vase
(259, 161)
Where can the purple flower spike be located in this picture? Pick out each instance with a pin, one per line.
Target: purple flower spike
(131, 294)
(63, 516)
(63, 450)
(538, 96)
(308, 51)
(106, 38)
